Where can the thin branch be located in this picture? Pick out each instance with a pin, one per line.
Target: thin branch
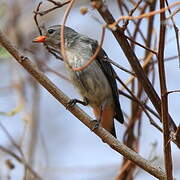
(47, 68)
(145, 47)
(131, 13)
(145, 105)
(92, 58)
(164, 99)
(81, 115)
(165, 59)
(35, 18)
(57, 5)
(141, 104)
(174, 91)
(51, 50)
(22, 159)
(176, 30)
(137, 27)
(120, 67)
(62, 42)
(19, 159)
(145, 15)
(34, 131)
(144, 65)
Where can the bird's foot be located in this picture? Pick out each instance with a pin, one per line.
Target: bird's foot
(71, 103)
(95, 124)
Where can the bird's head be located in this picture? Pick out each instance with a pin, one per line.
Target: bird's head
(51, 36)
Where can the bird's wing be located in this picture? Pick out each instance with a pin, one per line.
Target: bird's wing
(110, 75)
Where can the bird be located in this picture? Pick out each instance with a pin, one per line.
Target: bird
(96, 83)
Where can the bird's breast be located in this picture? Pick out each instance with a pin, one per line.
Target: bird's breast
(91, 82)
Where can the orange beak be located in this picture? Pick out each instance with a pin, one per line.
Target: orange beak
(39, 39)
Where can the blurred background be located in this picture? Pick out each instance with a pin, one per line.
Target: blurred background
(34, 126)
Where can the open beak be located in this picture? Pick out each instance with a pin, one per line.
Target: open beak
(40, 39)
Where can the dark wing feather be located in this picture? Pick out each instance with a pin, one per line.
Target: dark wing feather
(110, 75)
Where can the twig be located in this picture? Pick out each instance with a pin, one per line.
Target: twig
(176, 30)
(142, 105)
(57, 5)
(34, 131)
(22, 160)
(145, 47)
(146, 62)
(123, 169)
(120, 67)
(47, 68)
(165, 59)
(81, 115)
(92, 58)
(62, 40)
(131, 13)
(145, 15)
(35, 18)
(145, 105)
(169, 92)
(19, 159)
(164, 104)
(51, 50)
(137, 27)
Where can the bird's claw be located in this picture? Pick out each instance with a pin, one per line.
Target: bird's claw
(71, 103)
(95, 123)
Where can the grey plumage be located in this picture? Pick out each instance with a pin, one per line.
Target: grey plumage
(96, 82)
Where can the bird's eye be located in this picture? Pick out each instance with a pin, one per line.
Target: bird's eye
(50, 31)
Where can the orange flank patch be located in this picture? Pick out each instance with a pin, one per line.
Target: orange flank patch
(107, 119)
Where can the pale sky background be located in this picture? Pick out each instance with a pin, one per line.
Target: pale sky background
(74, 152)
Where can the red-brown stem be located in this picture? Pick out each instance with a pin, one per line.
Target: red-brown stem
(62, 41)
(92, 58)
(164, 99)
